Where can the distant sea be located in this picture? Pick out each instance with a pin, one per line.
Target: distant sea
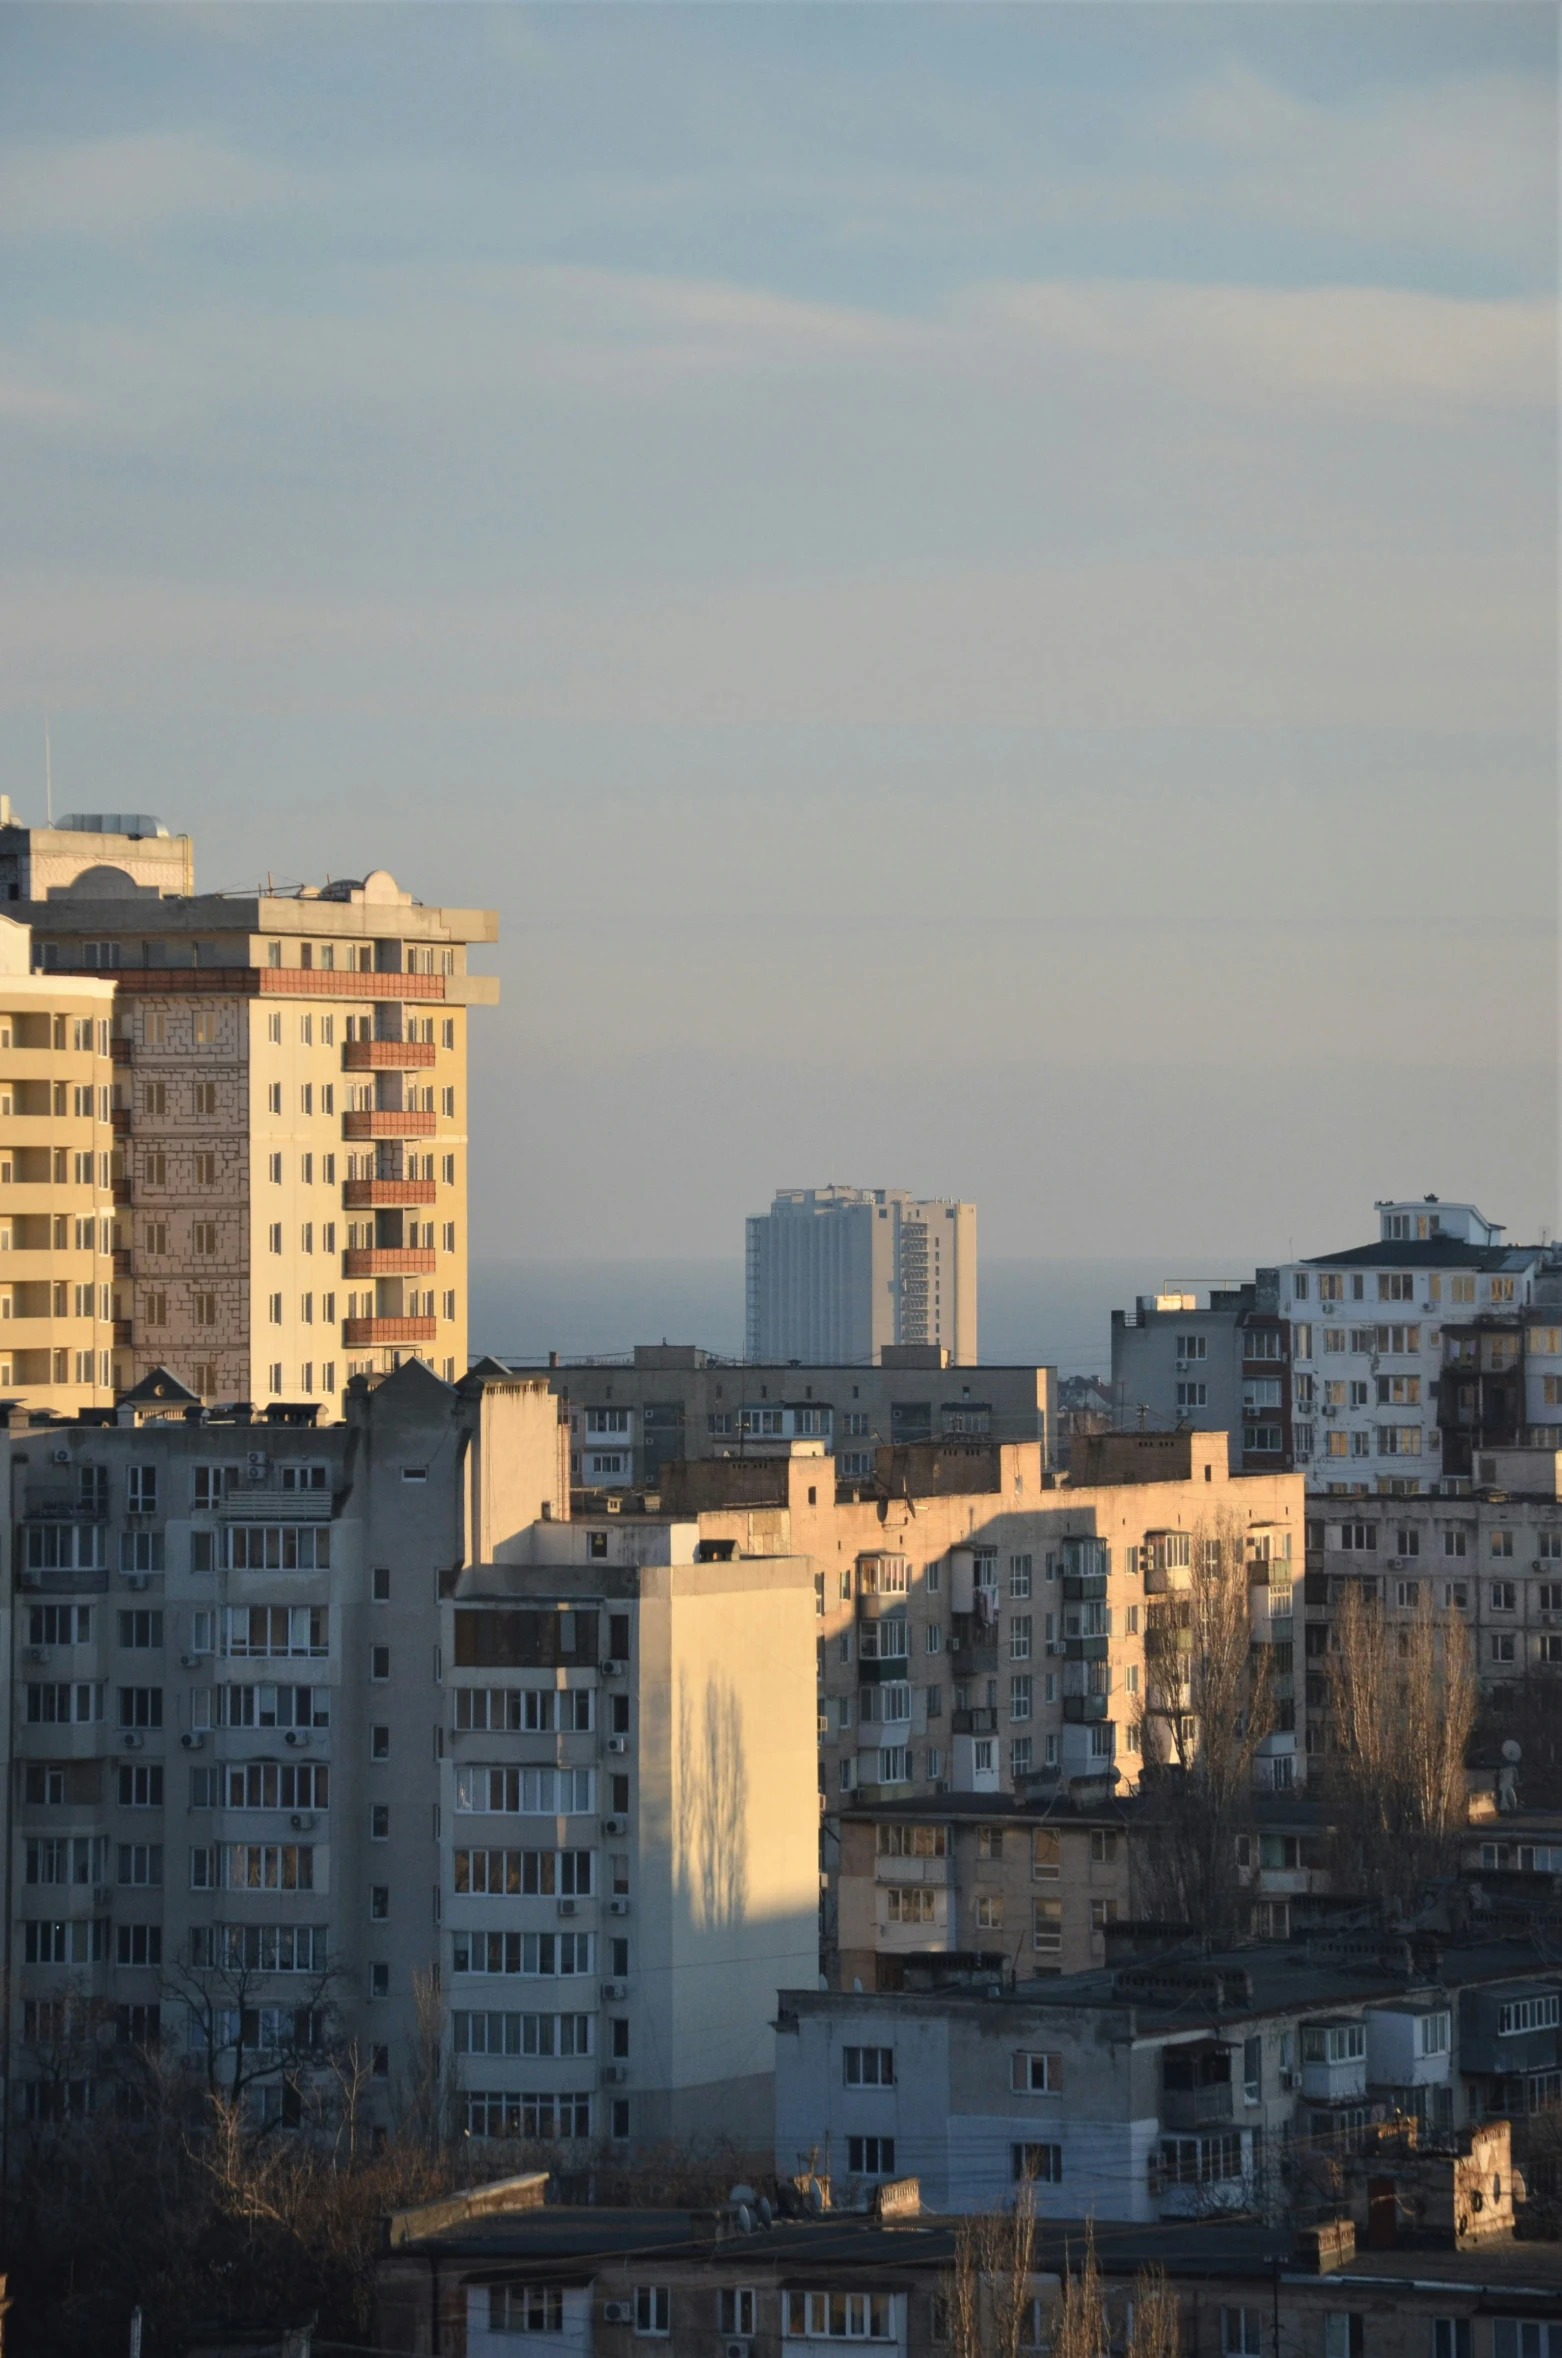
(1056, 1312)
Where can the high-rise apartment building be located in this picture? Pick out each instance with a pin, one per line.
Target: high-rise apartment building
(56, 1199)
(840, 1274)
(291, 1108)
(305, 1712)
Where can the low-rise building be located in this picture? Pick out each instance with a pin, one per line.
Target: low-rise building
(1168, 2086)
(529, 2281)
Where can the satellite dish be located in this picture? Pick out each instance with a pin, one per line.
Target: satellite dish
(766, 2214)
(745, 2219)
(1513, 1751)
(815, 2199)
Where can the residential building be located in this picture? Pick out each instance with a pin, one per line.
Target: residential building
(498, 2274)
(837, 1274)
(304, 1710)
(631, 1417)
(1223, 1362)
(1492, 1555)
(1171, 2086)
(1382, 1369)
(56, 1193)
(292, 1108)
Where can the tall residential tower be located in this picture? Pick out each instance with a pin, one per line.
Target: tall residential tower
(291, 1107)
(837, 1274)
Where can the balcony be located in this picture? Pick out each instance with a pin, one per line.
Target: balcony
(366, 1195)
(381, 1124)
(122, 1193)
(1195, 2108)
(973, 1661)
(391, 1261)
(119, 1050)
(124, 1330)
(377, 1056)
(983, 1722)
(387, 1330)
(1083, 1708)
(122, 1261)
(1086, 1649)
(120, 1119)
(1084, 1588)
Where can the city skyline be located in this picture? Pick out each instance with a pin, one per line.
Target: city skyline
(1017, 549)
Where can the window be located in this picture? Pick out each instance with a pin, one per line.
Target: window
(1451, 2337)
(737, 2310)
(1432, 2034)
(1021, 1693)
(1519, 2015)
(1038, 2075)
(653, 2309)
(868, 2067)
(525, 2308)
(827, 2316)
(1504, 1596)
(1192, 1346)
(871, 2157)
(1043, 2163)
(1046, 1854)
(1046, 1926)
(1334, 2042)
(1242, 2333)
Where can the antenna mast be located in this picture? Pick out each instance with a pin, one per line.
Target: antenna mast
(48, 773)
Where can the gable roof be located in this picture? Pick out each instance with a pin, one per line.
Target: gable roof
(160, 1388)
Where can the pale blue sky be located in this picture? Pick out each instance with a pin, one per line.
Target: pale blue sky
(977, 586)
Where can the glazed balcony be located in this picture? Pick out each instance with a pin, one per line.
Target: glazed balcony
(386, 1124)
(367, 1195)
(391, 1261)
(396, 1056)
(356, 1331)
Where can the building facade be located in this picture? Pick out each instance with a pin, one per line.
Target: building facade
(1171, 2087)
(291, 1104)
(630, 1418)
(305, 1712)
(57, 1259)
(1384, 1369)
(835, 1275)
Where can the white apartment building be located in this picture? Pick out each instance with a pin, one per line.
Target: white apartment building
(1382, 1369)
(301, 1710)
(835, 1275)
(290, 1107)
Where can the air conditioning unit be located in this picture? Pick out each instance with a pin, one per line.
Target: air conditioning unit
(59, 1457)
(37, 1653)
(255, 1464)
(302, 1820)
(618, 2313)
(1290, 2079)
(1056, 1646)
(618, 1744)
(190, 1661)
(618, 1907)
(1182, 1367)
(614, 2075)
(568, 1907)
(192, 1739)
(615, 1989)
(134, 1740)
(138, 1580)
(740, 2350)
(615, 1825)
(296, 1736)
(611, 1669)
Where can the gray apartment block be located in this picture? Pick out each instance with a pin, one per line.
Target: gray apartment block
(302, 1712)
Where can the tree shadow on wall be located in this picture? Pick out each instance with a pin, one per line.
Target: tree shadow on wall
(712, 1853)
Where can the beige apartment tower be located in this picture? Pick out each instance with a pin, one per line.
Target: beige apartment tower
(56, 1204)
(837, 1275)
(290, 1109)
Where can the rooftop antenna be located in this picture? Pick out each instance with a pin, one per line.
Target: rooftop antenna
(48, 773)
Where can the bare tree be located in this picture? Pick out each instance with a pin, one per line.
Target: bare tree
(1157, 2325)
(987, 2295)
(1206, 1708)
(1081, 2329)
(1402, 1703)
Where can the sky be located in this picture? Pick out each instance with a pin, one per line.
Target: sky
(976, 586)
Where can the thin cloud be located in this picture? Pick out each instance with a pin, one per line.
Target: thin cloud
(117, 191)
